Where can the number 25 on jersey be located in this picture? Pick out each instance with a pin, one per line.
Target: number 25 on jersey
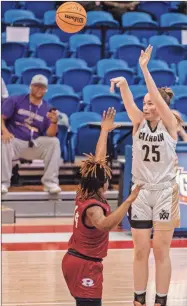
(151, 153)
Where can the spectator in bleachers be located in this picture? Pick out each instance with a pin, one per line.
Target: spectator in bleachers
(88, 5)
(4, 91)
(29, 131)
(181, 131)
(117, 8)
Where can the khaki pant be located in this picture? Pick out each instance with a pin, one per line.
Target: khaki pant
(45, 148)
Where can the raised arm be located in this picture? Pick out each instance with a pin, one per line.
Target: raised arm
(96, 215)
(163, 109)
(134, 113)
(107, 126)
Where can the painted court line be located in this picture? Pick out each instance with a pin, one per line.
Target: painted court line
(54, 237)
(72, 303)
(60, 303)
(56, 228)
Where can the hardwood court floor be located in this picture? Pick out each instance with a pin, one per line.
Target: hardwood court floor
(34, 278)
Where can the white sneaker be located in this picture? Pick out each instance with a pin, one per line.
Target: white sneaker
(4, 189)
(53, 189)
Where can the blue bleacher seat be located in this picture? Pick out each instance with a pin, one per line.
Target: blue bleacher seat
(157, 64)
(153, 64)
(179, 90)
(12, 51)
(96, 18)
(135, 19)
(138, 89)
(78, 119)
(77, 78)
(127, 73)
(105, 64)
(163, 77)
(82, 45)
(39, 8)
(64, 64)
(161, 73)
(80, 39)
(28, 73)
(160, 40)
(111, 68)
(101, 102)
(12, 16)
(172, 20)
(84, 51)
(167, 48)
(181, 104)
(51, 52)
(17, 89)
(65, 103)
(80, 130)
(182, 71)
(6, 74)
(118, 40)
(155, 8)
(63, 36)
(90, 91)
(129, 53)
(57, 89)
(24, 63)
(39, 38)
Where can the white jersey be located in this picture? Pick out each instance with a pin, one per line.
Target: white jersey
(154, 156)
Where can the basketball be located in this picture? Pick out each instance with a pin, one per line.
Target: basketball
(71, 17)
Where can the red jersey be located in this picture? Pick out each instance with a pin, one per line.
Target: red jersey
(89, 241)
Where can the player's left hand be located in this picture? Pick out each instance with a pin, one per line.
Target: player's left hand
(108, 120)
(145, 57)
(53, 116)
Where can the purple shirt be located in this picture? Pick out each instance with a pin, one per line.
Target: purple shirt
(21, 115)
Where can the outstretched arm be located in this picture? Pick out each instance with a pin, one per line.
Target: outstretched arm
(135, 114)
(96, 215)
(163, 109)
(107, 126)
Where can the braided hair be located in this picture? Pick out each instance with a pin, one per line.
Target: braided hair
(95, 173)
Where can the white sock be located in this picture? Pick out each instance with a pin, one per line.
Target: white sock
(140, 292)
(161, 294)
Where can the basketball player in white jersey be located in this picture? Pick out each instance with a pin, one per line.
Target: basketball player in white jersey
(154, 165)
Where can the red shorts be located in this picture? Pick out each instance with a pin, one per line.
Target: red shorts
(84, 278)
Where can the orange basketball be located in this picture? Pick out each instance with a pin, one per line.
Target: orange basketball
(71, 17)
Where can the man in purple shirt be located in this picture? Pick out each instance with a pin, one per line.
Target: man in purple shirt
(28, 131)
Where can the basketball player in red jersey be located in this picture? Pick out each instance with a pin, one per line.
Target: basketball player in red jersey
(154, 165)
(82, 264)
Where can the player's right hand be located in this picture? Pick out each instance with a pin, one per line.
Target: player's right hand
(120, 81)
(107, 123)
(7, 137)
(134, 193)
